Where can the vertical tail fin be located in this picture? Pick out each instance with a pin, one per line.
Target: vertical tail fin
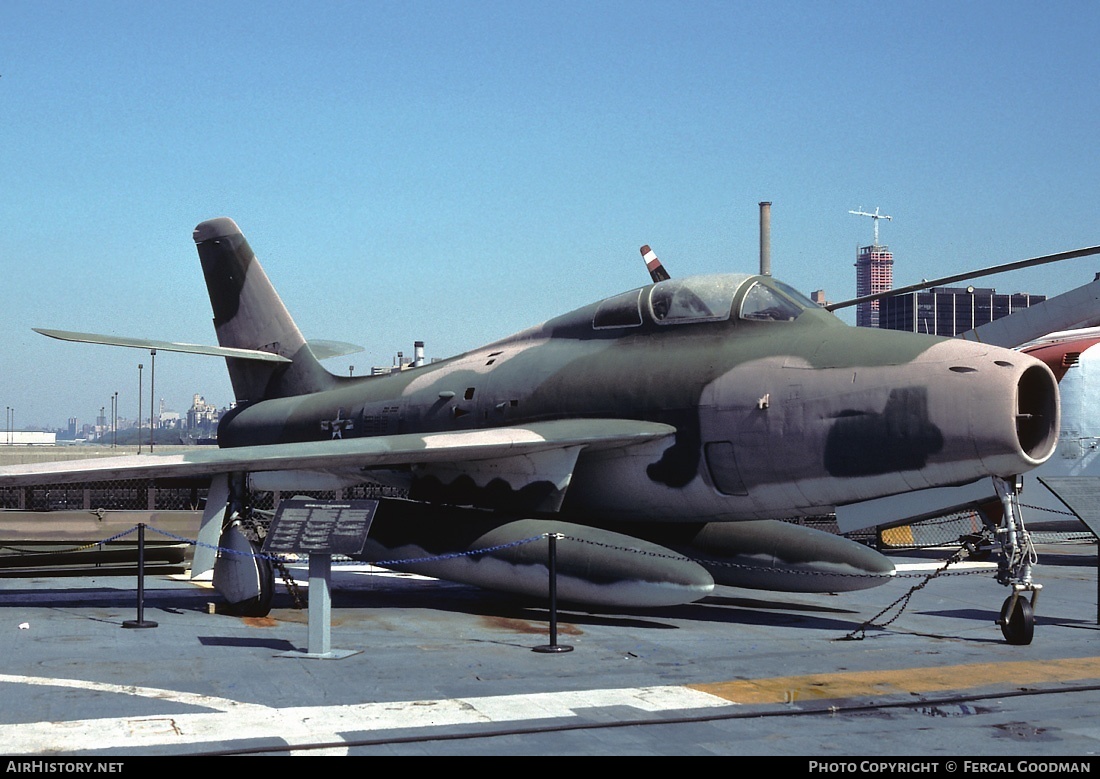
(249, 314)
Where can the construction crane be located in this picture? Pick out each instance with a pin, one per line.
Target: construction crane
(876, 216)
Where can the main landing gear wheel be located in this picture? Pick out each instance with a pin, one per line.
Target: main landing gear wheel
(260, 604)
(1017, 620)
(242, 574)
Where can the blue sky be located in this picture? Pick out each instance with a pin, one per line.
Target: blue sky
(456, 171)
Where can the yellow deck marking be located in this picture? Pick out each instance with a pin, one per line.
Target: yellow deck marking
(788, 689)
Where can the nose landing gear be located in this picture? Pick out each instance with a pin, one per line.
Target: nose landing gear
(1017, 619)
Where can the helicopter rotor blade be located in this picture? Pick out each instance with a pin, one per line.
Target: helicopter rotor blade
(1058, 257)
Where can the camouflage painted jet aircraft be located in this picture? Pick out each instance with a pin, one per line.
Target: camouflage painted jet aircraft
(665, 432)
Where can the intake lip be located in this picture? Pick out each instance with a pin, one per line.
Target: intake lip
(1037, 412)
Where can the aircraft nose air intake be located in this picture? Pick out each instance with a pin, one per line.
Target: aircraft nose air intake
(1037, 412)
(959, 412)
(1015, 413)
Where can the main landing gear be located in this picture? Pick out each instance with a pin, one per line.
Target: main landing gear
(242, 575)
(1017, 619)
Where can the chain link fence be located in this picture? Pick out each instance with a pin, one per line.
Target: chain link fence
(940, 531)
(157, 495)
(190, 495)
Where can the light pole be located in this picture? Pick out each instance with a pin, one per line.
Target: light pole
(114, 420)
(152, 393)
(140, 366)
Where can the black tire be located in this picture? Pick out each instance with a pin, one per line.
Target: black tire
(1018, 628)
(260, 606)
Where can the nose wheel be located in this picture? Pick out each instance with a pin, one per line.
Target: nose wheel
(1017, 619)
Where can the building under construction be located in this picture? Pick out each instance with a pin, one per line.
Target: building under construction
(948, 311)
(874, 273)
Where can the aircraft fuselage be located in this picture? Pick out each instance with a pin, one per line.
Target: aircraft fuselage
(780, 409)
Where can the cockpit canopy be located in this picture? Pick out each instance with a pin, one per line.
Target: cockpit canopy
(703, 299)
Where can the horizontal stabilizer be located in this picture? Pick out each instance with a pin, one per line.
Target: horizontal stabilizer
(166, 346)
(324, 350)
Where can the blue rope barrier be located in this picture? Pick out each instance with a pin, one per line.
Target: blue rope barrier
(486, 550)
(382, 563)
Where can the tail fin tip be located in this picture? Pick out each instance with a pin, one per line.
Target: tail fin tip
(215, 228)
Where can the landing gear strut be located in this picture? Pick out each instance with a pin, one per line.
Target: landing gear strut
(1017, 619)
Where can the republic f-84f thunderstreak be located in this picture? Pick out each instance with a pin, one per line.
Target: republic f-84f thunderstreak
(666, 433)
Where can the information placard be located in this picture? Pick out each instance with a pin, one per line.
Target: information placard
(305, 525)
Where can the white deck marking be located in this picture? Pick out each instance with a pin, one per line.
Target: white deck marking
(230, 720)
(932, 565)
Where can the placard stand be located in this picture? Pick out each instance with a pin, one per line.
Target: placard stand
(320, 528)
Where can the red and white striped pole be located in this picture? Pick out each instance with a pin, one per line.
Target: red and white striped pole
(657, 271)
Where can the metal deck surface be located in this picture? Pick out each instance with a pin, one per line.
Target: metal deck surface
(433, 668)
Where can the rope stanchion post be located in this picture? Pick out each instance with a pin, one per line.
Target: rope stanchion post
(553, 647)
(140, 622)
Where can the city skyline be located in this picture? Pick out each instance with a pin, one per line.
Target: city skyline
(113, 415)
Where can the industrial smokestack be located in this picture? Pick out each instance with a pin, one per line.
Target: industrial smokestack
(765, 238)
(418, 353)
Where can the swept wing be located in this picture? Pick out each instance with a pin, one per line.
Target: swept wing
(457, 448)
